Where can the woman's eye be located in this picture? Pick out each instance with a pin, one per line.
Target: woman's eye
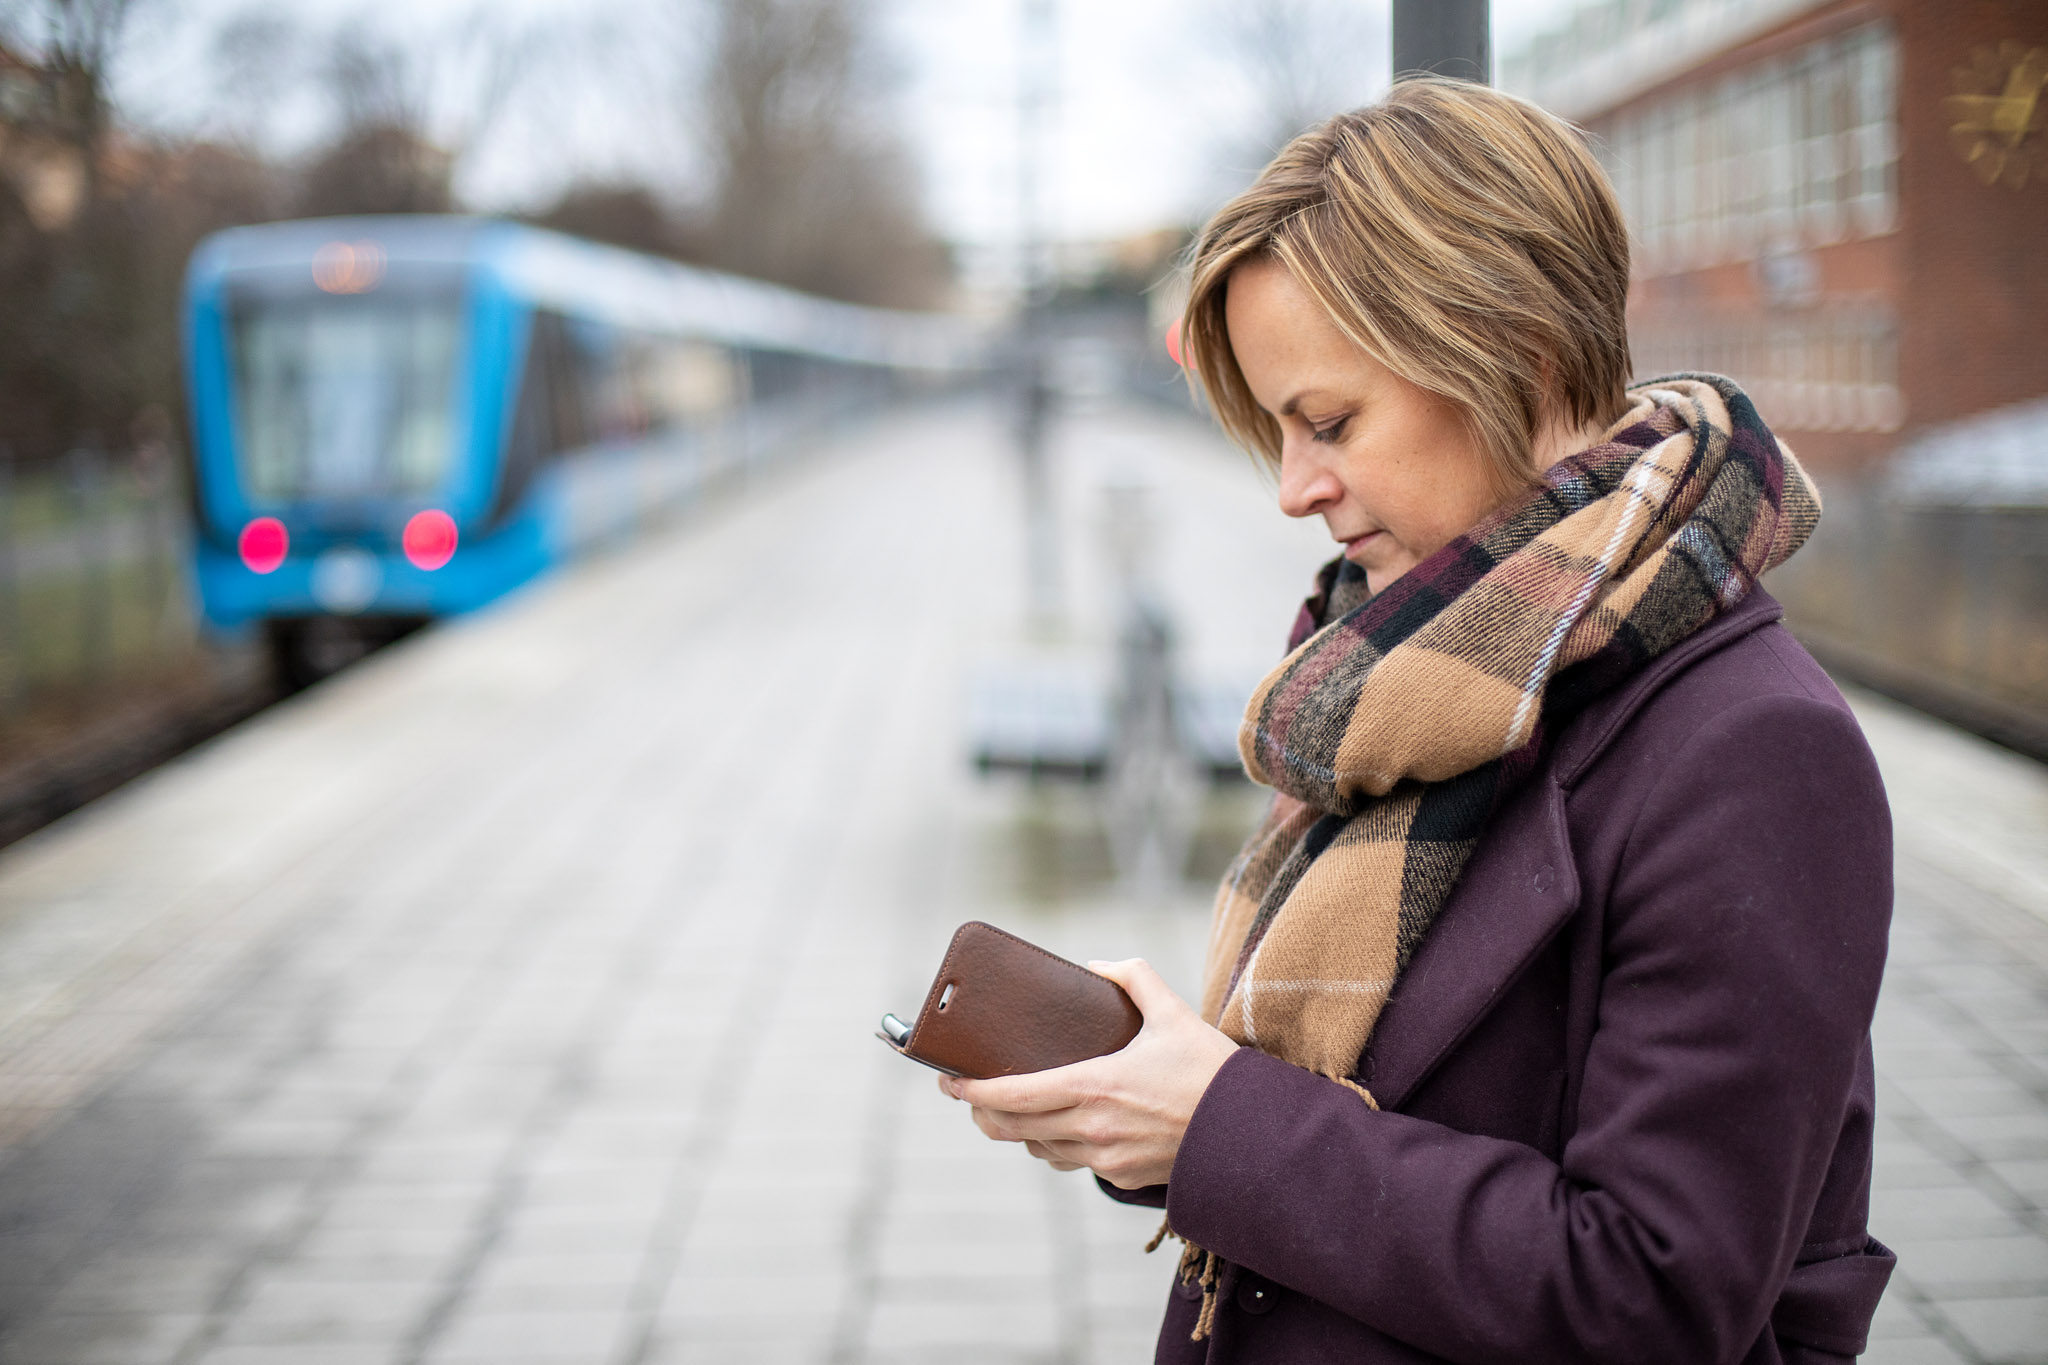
(1331, 433)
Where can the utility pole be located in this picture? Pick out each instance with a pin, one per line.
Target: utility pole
(1036, 60)
(1448, 37)
(1037, 56)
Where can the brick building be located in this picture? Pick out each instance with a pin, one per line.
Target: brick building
(1842, 203)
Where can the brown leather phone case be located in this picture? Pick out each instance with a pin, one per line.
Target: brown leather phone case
(1003, 1007)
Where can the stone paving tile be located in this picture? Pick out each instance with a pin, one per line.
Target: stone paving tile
(1894, 1319)
(1994, 1137)
(1963, 1086)
(490, 1295)
(292, 1305)
(546, 1335)
(2028, 1178)
(1940, 1213)
(537, 1030)
(1967, 1266)
(99, 1338)
(1917, 1349)
(2002, 1328)
(790, 1350)
(912, 1322)
(804, 1253)
(320, 1353)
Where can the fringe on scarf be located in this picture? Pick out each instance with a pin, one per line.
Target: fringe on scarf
(1204, 1268)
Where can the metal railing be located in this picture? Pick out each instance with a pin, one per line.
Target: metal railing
(94, 588)
(1944, 607)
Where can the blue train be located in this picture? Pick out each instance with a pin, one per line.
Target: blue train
(400, 418)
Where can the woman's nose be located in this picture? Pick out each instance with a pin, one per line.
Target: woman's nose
(1307, 486)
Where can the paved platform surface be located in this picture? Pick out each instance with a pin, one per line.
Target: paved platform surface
(508, 999)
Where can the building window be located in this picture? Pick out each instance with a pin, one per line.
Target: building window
(1790, 152)
(1833, 368)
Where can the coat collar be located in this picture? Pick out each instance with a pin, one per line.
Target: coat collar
(1595, 728)
(1522, 884)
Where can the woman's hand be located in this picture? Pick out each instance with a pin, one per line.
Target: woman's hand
(1122, 1116)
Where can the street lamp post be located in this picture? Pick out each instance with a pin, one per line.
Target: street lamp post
(1448, 37)
(1037, 58)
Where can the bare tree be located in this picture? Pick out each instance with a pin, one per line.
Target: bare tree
(376, 82)
(1300, 61)
(257, 58)
(89, 333)
(383, 158)
(621, 213)
(811, 185)
(75, 42)
(402, 113)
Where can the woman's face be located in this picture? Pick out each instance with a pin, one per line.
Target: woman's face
(1389, 467)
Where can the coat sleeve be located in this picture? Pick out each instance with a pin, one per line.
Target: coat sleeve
(1146, 1196)
(1744, 945)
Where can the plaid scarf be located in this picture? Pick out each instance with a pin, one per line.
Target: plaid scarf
(1398, 722)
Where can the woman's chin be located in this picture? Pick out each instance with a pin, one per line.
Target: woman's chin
(1381, 569)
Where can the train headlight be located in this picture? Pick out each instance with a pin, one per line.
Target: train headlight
(429, 539)
(348, 267)
(263, 544)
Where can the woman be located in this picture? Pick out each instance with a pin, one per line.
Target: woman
(1535, 1024)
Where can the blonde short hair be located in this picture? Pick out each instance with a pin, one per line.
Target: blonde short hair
(1464, 238)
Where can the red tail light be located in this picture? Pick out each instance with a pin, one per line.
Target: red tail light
(263, 544)
(430, 539)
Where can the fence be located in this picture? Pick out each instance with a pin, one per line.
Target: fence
(1944, 607)
(93, 586)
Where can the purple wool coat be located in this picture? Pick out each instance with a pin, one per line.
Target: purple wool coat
(1625, 1082)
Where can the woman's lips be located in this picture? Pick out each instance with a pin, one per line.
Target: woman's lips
(1356, 545)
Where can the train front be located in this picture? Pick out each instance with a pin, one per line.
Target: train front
(350, 382)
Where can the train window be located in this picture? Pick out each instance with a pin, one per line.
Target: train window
(602, 361)
(775, 374)
(548, 415)
(567, 402)
(345, 396)
(688, 383)
(628, 384)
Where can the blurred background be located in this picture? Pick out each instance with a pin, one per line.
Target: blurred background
(995, 162)
(550, 552)
(977, 159)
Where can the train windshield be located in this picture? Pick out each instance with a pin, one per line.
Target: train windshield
(346, 397)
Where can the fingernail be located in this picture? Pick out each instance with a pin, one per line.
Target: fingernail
(952, 1088)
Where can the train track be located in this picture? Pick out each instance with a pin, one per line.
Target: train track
(52, 767)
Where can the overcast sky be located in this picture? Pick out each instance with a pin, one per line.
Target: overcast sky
(1147, 123)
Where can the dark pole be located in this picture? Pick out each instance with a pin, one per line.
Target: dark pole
(1037, 53)
(13, 644)
(1449, 37)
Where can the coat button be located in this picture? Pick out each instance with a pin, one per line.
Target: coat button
(1256, 1296)
(1545, 879)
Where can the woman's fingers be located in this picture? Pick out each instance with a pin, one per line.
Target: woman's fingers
(1058, 1126)
(991, 1125)
(1049, 1153)
(1063, 1087)
(1123, 1115)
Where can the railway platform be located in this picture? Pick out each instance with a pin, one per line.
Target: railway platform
(508, 998)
